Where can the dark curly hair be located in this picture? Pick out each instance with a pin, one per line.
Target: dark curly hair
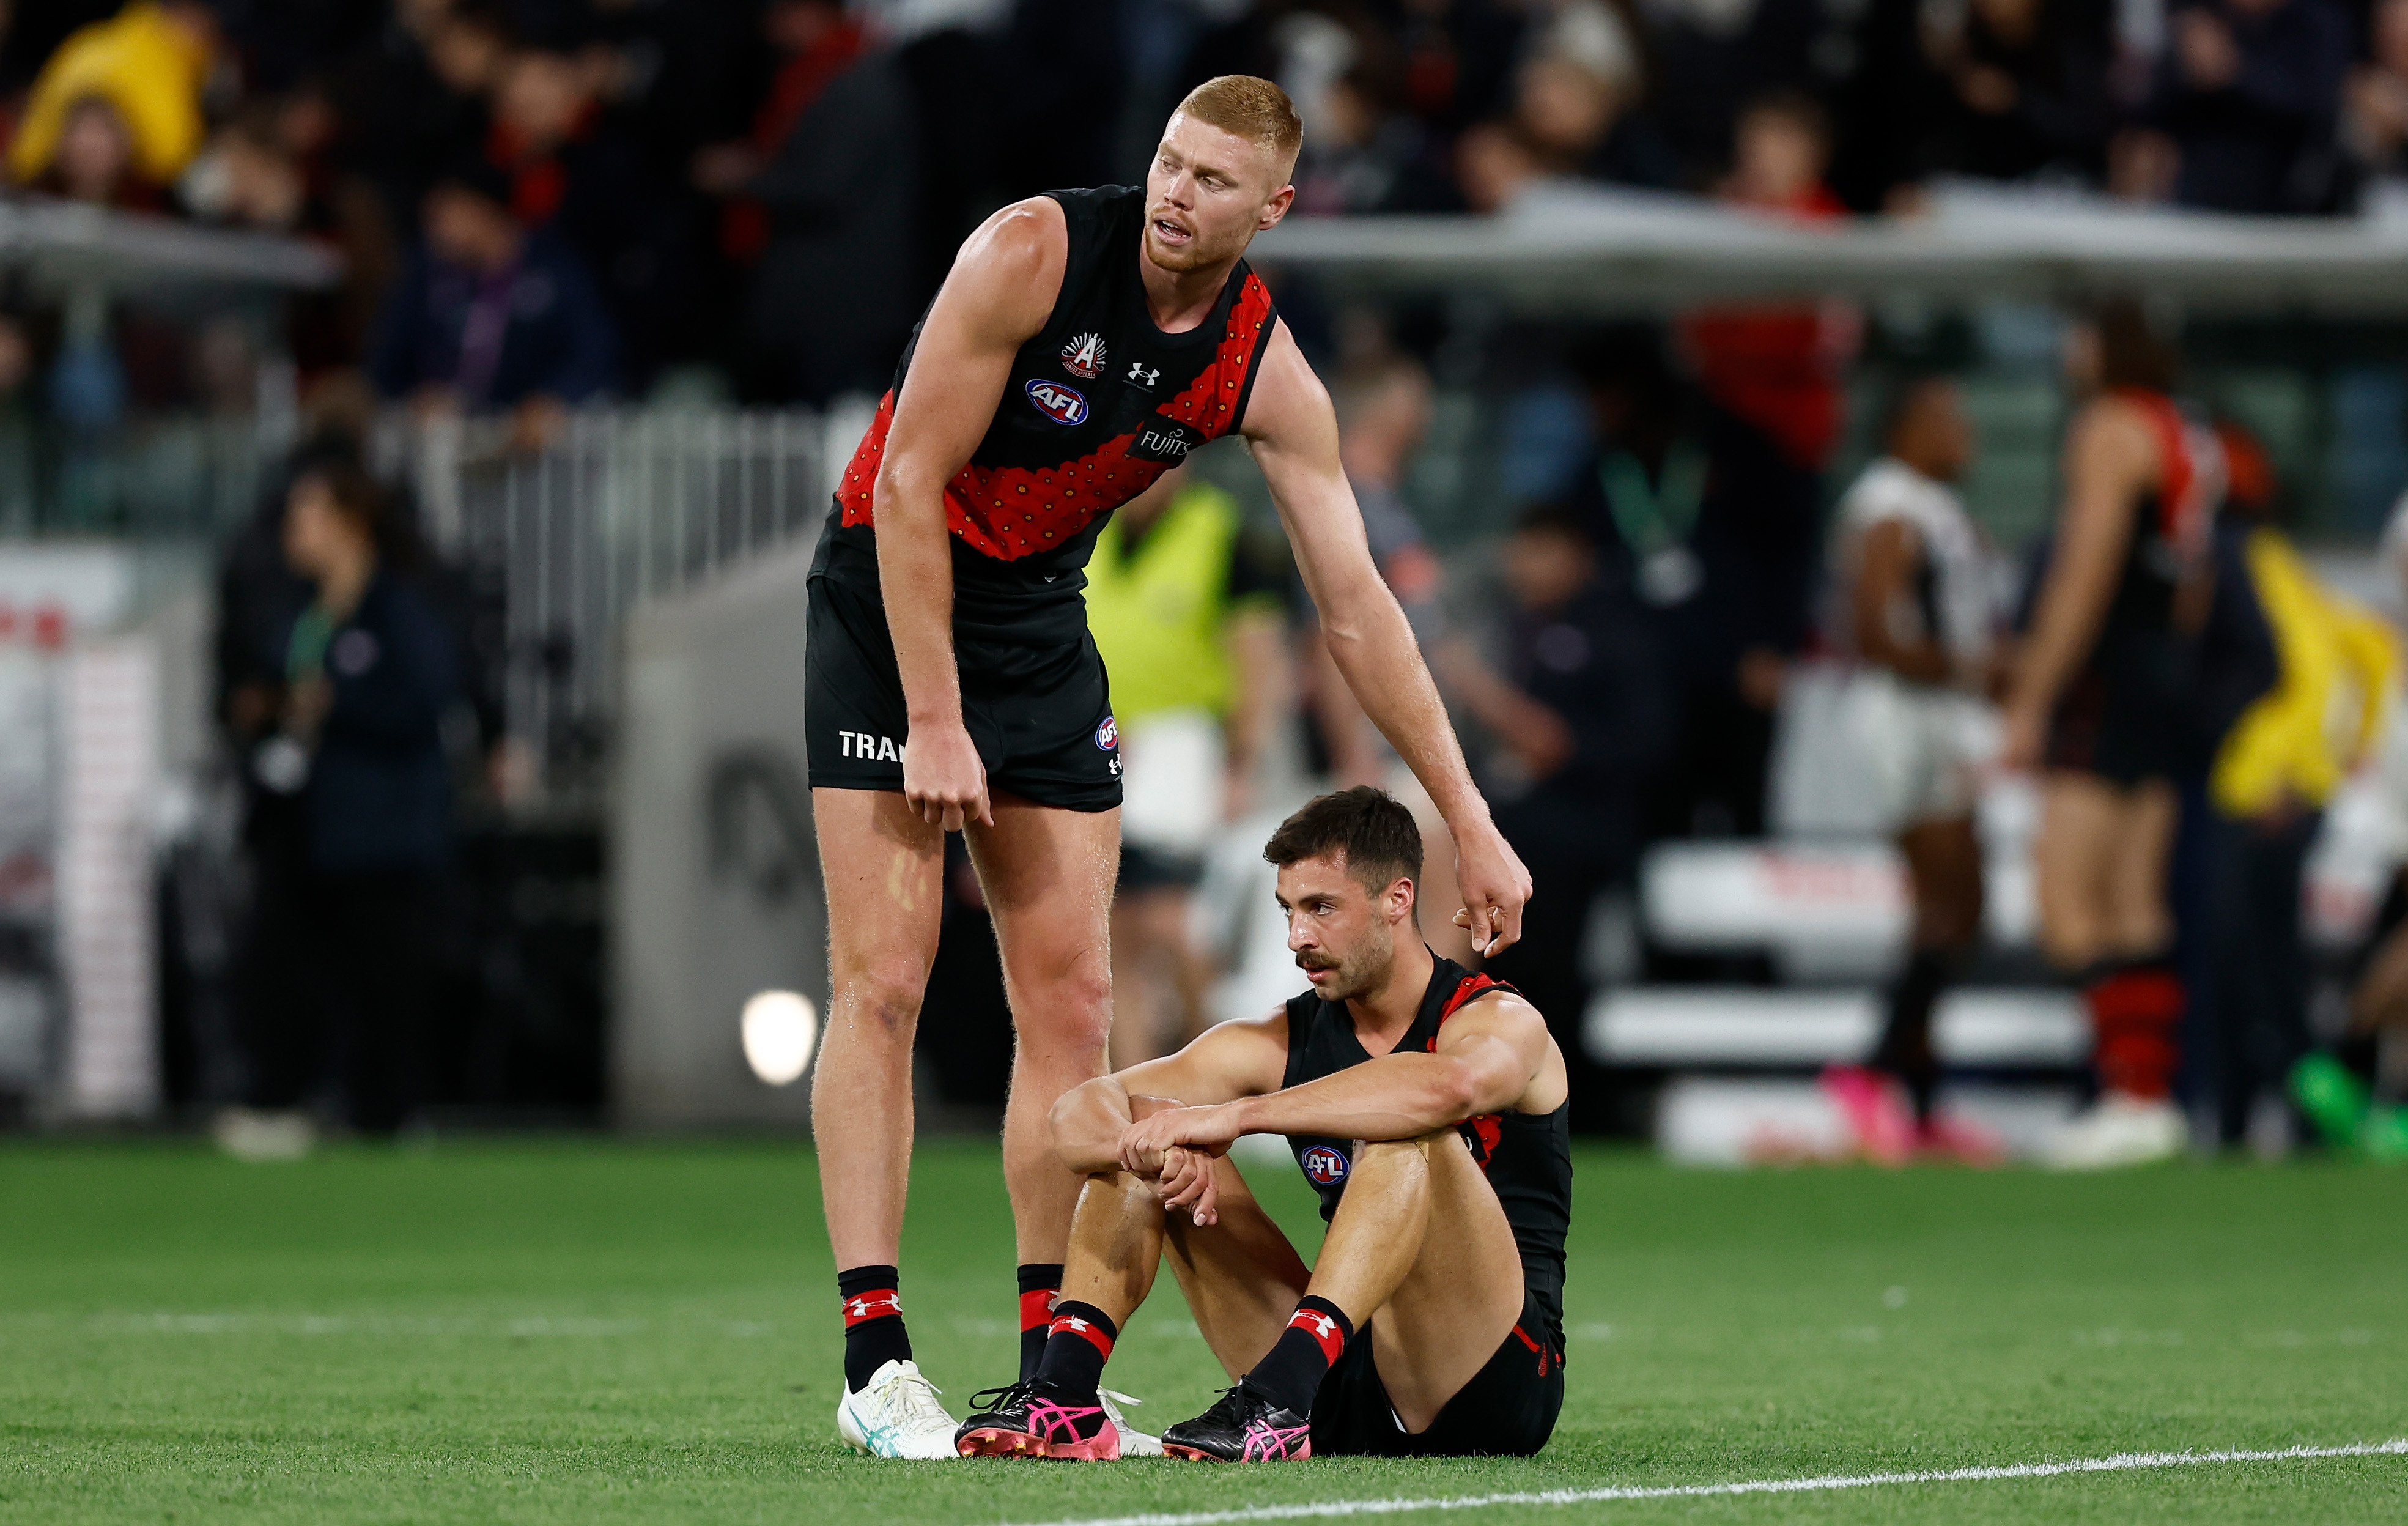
(1378, 835)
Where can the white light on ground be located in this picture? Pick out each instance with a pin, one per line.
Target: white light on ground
(780, 1030)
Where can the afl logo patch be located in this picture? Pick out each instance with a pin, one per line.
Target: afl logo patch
(1063, 405)
(1325, 1165)
(1108, 736)
(1084, 356)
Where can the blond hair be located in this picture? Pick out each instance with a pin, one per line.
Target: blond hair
(1252, 109)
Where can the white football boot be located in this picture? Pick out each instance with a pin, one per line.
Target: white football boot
(1134, 1442)
(2120, 1131)
(897, 1415)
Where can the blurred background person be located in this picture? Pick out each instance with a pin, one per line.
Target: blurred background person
(2246, 99)
(826, 190)
(1384, 417)
(488, 317)
(2338, 678)
(1738, 590)
(1582, 716)
(2025, 87)
(1191, 624)
(2107, 700)
(2374, 110)
(115, 114)
(1913, 599)
(340, 959)
(576, 168)
(1711, 532)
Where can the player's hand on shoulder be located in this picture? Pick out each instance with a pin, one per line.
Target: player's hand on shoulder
(944, 780)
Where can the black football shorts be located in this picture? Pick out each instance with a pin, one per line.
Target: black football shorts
(1507, 1409)
(1038, 711)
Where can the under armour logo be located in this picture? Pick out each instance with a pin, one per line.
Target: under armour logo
(1142, 376)
(860, 1307)
(1073, 1322)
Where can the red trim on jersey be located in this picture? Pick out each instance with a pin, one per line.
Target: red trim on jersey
(1324, 1331)
(1085, 1330)
(1008, 512)
(1484, 1131)
(1545, 1356)
(2186, 495)
(876, 1304)
(1470, 989)
(1037, 1307)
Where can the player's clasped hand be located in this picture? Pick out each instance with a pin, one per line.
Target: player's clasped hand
(1495, 884)
(943, 778)
(1186, 1182)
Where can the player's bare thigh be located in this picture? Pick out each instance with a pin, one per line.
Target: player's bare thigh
(2101, 864)
(1240, 1277)
(883, 870)
(1048, 876)
(1462, 1297)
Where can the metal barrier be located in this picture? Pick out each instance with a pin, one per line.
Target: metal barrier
(624, 505)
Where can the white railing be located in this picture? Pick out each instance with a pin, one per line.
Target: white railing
(623, 505)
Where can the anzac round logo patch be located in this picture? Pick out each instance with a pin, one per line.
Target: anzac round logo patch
(1084, 356)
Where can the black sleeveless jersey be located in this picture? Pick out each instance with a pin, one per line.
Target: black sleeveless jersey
(1099, 404)
(1527, 1155)
(2174, 529)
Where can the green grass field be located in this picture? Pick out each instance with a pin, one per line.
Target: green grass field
(584, 1331)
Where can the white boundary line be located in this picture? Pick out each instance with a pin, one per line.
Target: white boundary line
(2120, 1462)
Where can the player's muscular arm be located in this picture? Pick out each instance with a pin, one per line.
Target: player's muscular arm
(999, 295)
(1224, 1063)
(1494, 1056)
(1293, 433)
(2109, 460)
(1886, 564)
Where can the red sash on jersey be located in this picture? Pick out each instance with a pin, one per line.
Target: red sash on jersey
(1484, 1131)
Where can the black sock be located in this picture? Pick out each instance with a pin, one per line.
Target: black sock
(1905, 1047)
(1040, 1282)
(1076, 1345)
(1301, 1358)
(873, 1323)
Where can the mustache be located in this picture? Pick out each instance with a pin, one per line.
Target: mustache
(1305, 962)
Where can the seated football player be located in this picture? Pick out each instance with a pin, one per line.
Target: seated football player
(1427, 1107)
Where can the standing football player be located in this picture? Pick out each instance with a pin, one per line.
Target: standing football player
(1085, 342)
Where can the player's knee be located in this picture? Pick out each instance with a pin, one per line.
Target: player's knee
(886, 996)
(1071, 1012)
(1389, 1158)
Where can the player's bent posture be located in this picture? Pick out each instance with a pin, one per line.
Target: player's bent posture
(1427, 1107)
(2106, 701)
(1084, 343)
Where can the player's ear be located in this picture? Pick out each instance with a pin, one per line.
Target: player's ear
(1275, 209)
(1400, 898)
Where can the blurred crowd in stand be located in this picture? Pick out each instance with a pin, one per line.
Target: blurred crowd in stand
(547, 204)
(543, 202)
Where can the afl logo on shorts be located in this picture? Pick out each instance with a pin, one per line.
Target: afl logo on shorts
(1325, 1165)
(1108, 736)
(1084, 356)
(1061, 404)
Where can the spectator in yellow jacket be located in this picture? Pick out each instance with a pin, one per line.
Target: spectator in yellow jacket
(2277, 769)
(144, 68)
